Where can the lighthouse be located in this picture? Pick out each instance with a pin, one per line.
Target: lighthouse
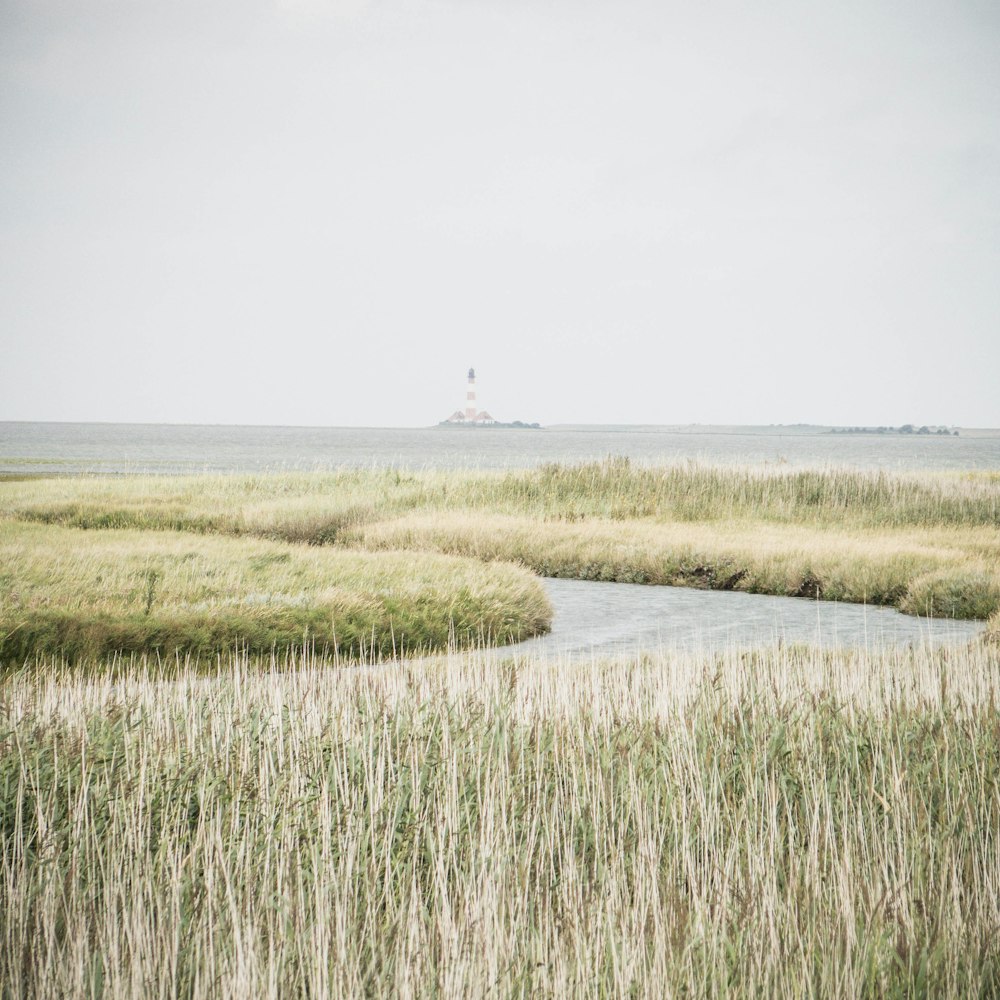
(470, 396)
(470, 416)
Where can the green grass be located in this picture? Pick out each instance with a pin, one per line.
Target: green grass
(619, 490)
(926, 544)
(787, 823)
(80, 594)
(312, 508)
(316, 507)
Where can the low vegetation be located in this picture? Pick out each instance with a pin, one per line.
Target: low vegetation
(926, 544)
(949, 572)
(992, 633)
(620, 490)
(789, 823)
(81, 594)
(316, 507)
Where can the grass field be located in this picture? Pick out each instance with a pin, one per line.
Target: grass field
(787, 823)
(926, 544)
(75, 594)
(197, 798)
(316, 507)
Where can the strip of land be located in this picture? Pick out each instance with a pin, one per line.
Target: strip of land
(88, 594)
(925, 544)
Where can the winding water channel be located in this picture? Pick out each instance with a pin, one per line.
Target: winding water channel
(608, 619)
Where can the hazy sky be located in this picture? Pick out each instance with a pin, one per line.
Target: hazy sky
(619, 211)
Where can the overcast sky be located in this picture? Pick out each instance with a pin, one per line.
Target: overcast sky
(619, 211)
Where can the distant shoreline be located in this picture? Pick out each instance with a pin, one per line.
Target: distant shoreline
(517, 425)
(905, 429)
(751, 429)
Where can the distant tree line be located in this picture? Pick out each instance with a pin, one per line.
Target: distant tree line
(905, 429)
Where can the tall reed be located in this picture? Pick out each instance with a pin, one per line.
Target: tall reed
(785, 823)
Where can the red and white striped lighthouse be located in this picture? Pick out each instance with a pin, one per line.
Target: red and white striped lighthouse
(470, 396)
(470, 416)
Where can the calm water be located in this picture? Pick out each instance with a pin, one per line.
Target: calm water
(609, 619)
(123, 448)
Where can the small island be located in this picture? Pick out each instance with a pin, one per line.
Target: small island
(472, 416)
(517, 424)
(904, 429)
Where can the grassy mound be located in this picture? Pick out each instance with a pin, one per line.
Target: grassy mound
(313, 508)
(86, 594)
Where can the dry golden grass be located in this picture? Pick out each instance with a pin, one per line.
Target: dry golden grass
(948, 571)
(315, 506)
(296, 507)
(927, 544)
(783, 824)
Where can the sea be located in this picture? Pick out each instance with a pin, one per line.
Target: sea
(119, 449)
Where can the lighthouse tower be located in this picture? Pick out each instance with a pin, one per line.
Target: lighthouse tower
(470, 396)
(470, 416)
